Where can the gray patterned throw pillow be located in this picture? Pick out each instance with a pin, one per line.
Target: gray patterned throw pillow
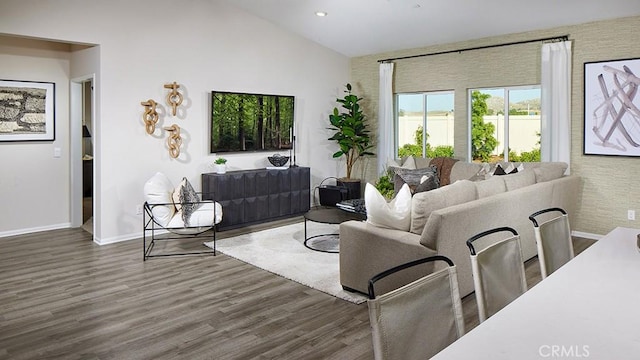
(188, 199)
(412, 177)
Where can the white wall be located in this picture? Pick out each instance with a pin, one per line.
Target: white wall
(202, 45)
(34, 186)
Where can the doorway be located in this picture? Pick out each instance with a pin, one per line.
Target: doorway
(87, 156)
(82, 127)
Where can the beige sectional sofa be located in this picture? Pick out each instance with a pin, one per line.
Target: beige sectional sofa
(443, 219)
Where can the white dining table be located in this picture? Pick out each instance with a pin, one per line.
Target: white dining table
(587, 309)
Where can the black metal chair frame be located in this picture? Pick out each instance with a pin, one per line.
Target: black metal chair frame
(407, 265)
(532, 217)
(485, 233)
(480, 293)
(541, 256)
(152, 229)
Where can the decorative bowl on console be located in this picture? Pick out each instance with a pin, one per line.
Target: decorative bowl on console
(278, 160)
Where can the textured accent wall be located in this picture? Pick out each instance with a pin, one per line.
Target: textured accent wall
(608, 190)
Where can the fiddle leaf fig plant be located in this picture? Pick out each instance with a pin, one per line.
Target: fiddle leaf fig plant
(350, 128)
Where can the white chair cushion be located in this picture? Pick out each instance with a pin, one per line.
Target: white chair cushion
(158, 190)
(201, 217)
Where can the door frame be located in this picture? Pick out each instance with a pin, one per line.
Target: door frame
(75, 120)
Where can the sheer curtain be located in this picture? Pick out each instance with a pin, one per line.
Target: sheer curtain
(555, 140)
(385, 117)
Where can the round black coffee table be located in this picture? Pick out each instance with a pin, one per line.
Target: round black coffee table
(329, 243)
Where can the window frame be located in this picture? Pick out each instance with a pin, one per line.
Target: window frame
(506, 91)
(396, 118)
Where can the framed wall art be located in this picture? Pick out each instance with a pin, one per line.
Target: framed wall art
(27, 111)
(612, 107)
(242, 122)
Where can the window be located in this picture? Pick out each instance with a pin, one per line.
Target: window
(505, 124)
(432, 111)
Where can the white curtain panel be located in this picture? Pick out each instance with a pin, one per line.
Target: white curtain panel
(555, 140)
(385, 117)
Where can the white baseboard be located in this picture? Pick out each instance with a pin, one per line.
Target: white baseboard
(121, 238)
(586, 235)
(35, 229)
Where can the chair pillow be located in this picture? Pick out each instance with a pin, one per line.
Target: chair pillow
(201, 217)
(395, 214)
(186, 200)
(158, 190)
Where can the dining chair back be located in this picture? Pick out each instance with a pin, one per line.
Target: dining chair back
(498, 269)
(419, 319)
(553, 239)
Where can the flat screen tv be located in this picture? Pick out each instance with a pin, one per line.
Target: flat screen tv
(251, 122)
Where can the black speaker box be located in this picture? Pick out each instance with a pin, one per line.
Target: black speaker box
(330, 195)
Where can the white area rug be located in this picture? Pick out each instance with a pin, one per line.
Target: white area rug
(281, 251)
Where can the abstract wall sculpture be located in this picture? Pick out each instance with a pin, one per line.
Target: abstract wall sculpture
(174, 99)
(174, 141)
(150, 116)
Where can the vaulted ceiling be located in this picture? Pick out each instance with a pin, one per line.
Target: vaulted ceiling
(362, 27)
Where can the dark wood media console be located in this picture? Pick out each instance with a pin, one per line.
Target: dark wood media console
(256, 196)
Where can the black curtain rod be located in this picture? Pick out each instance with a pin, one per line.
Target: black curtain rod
(555, 38)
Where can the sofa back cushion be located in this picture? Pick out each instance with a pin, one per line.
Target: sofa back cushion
(549, 171)
(464, 170)
(424, 203)
(421, 162)
(494, 185)
(519, 180)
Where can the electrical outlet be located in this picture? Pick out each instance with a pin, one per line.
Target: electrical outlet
(138, 209)
(631, 214)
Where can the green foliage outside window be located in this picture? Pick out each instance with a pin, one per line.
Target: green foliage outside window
(483, 143)
(525, 156)
(416, 148)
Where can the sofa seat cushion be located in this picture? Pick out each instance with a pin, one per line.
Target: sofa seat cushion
(424, 203)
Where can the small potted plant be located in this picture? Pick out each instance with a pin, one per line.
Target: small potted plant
(220, 165)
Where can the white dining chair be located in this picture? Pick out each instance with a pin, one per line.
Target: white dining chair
(498, 269)
(419, 319)
(553, 239)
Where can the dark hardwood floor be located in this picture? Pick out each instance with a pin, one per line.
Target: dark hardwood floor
(64, 297)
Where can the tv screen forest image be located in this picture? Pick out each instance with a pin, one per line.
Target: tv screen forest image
(250, 122)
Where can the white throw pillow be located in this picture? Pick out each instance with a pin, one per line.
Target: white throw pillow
(158, 190)
(395, 214)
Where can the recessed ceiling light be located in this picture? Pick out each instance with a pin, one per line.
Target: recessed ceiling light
(321, 13)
